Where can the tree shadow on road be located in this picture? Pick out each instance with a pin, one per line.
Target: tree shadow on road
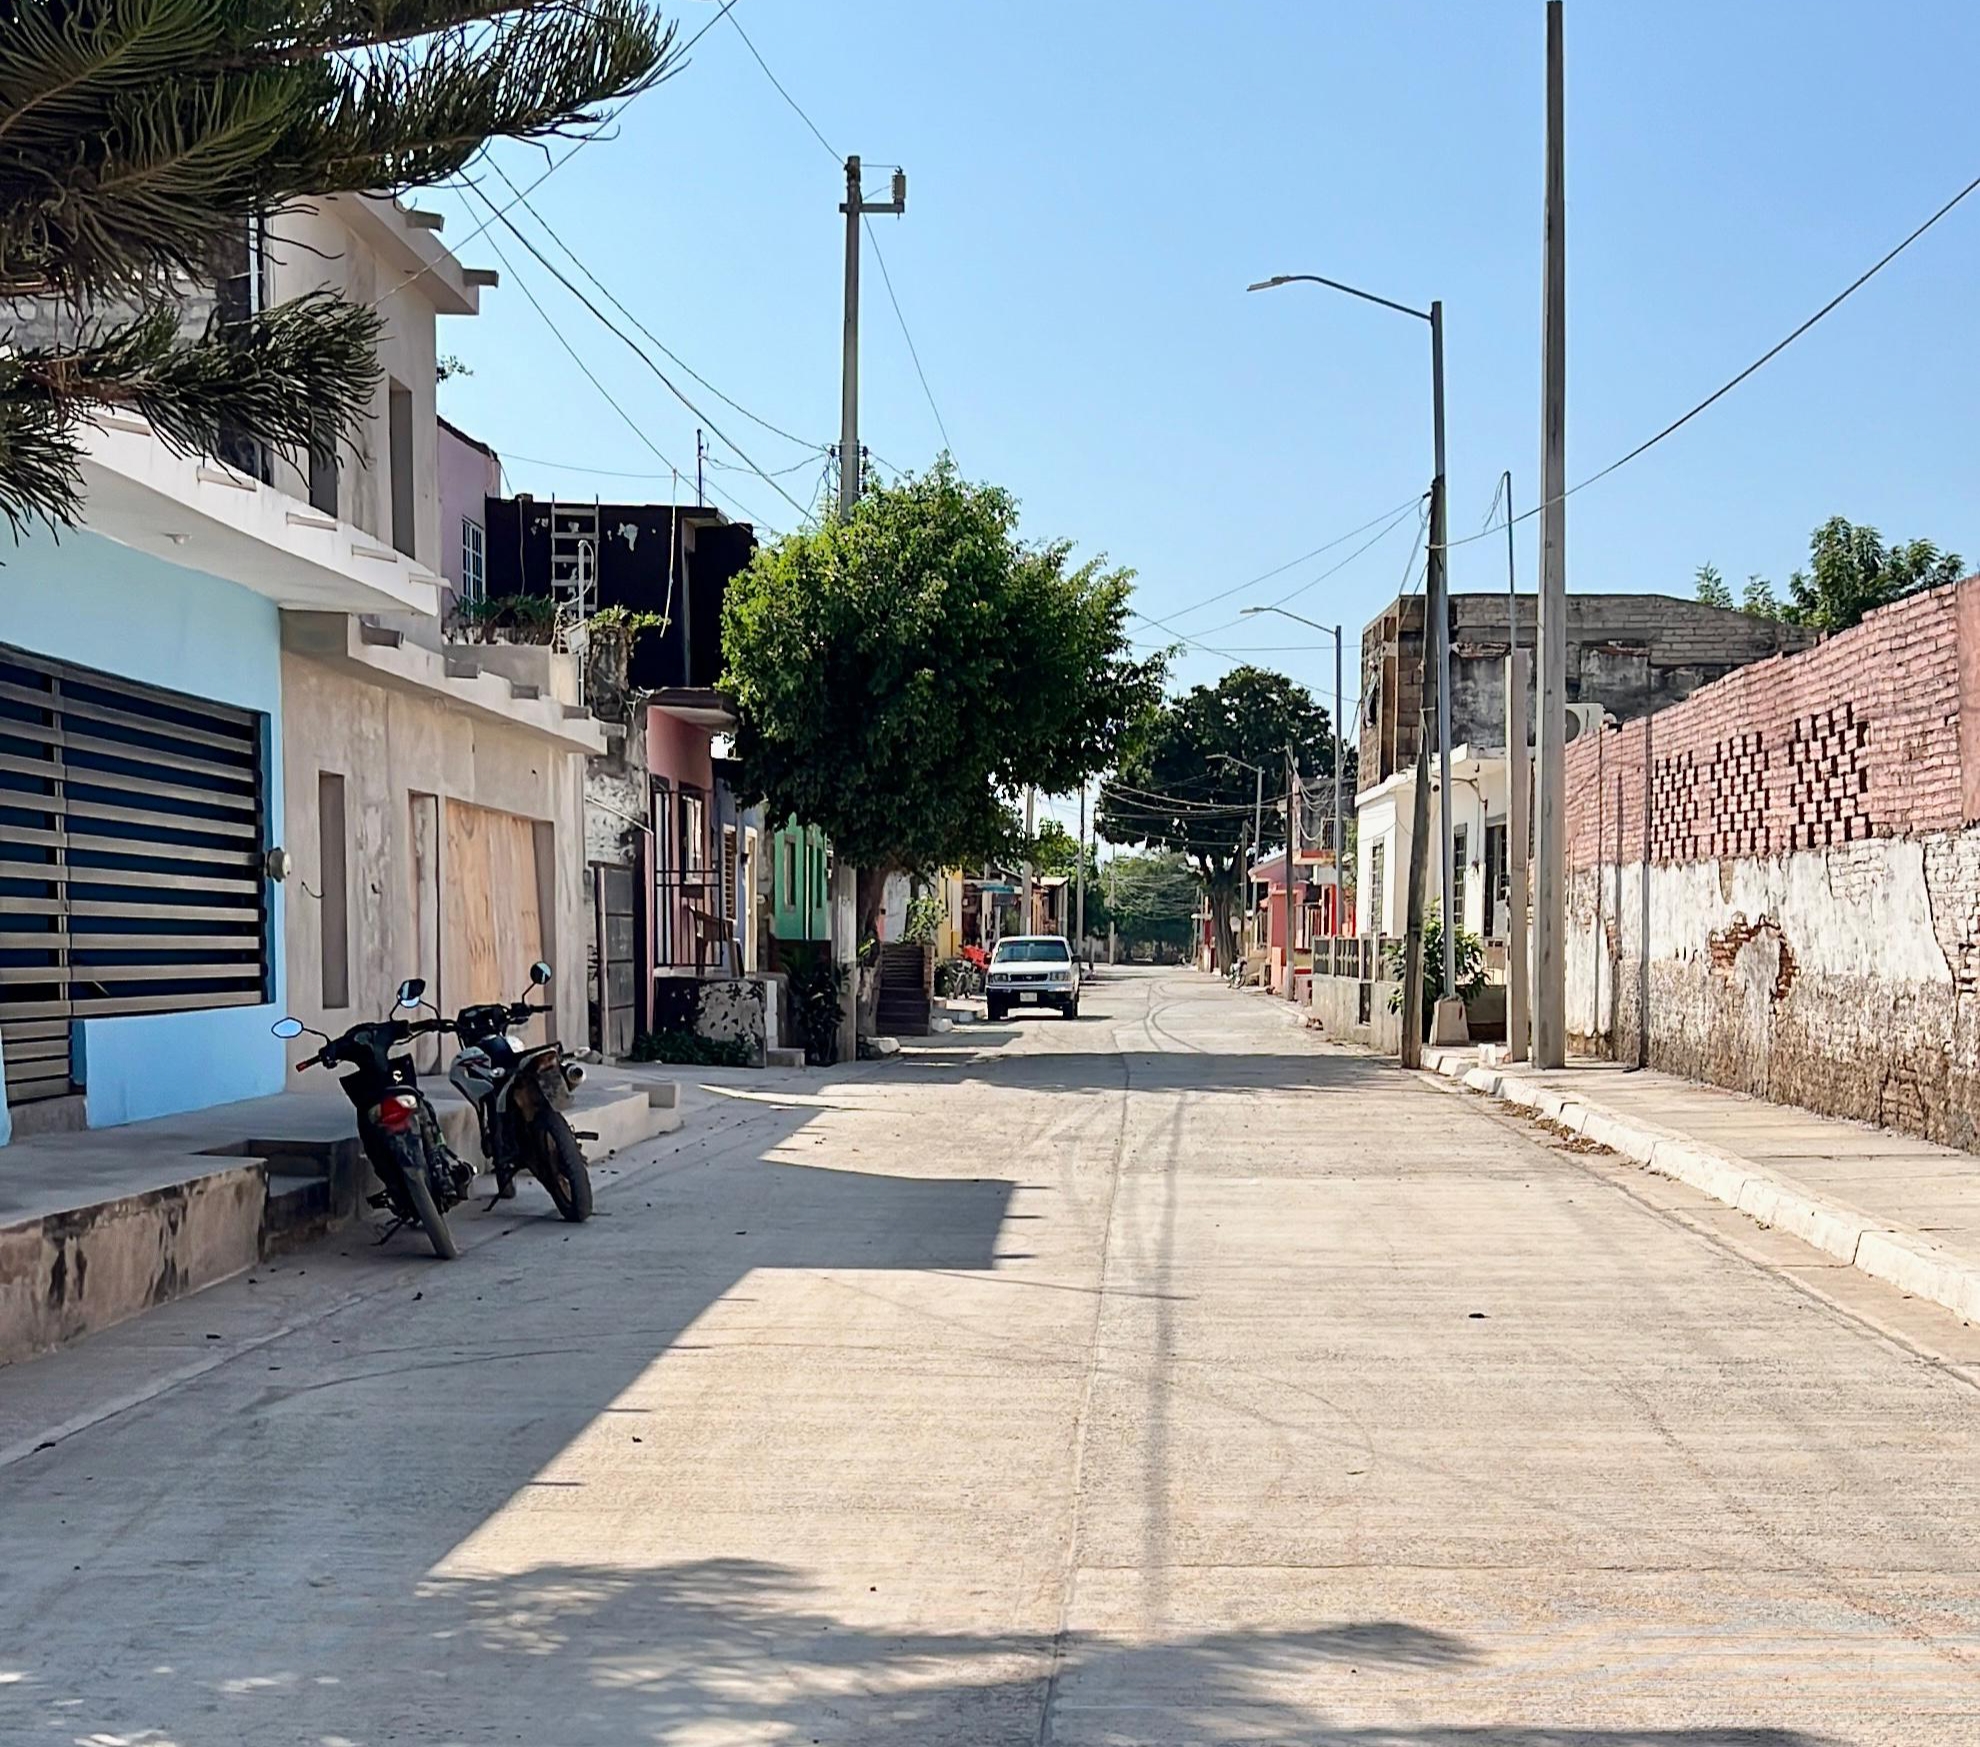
(751, 1651)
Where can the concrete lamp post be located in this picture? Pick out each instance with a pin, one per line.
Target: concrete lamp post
(1448, 1021)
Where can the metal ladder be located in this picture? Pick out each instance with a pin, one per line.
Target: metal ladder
(574, 556)
(574, 576)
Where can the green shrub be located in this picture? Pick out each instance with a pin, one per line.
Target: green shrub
(1468, 957)
(925, 917)
(507, 618)
(816, 1006)
(691, 1049)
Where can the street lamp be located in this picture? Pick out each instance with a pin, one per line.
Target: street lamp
(1333, 631)
(1449, 1025)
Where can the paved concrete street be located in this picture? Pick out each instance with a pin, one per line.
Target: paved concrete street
(1163, 1377)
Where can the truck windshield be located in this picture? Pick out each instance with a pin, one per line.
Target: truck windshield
(1032, 952)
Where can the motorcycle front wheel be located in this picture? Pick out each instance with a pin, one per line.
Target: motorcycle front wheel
(431, 1220)
(558, 1162)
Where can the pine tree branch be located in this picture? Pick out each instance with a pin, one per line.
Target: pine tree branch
(280, 377)
(138, 138)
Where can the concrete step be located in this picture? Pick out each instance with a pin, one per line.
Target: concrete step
(300, 1208)
(99, 1226)
(783, 1058)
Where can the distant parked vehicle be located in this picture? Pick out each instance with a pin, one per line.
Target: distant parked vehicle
(1032, 970)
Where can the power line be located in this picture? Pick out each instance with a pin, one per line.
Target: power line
(1314, 581)
(606, 291)
(1114, 786)
(886, 278)
(557, 164)
(1725, 389)
(798, 466)
(635, 348)
(577, 467)
(631, 423)
(1281, 569)
(796, 107)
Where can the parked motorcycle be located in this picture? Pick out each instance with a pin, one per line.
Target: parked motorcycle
(421, 1174)
(520, 1092)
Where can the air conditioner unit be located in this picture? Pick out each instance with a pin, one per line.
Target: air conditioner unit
(1583, 719)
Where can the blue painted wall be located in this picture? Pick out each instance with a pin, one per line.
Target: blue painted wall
(91, 601)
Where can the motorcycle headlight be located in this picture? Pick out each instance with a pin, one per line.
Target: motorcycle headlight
(574, 1075)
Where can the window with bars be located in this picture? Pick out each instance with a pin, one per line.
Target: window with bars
(474, 560)
(131, 829)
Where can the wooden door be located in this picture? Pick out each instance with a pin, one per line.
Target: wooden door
(493, 927)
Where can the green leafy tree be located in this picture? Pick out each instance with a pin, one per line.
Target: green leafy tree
(1758, 599)
(1183, 782)
(140, 138)
(902, 675)
(1150, 898)
(1054, 850)
(1851, 572)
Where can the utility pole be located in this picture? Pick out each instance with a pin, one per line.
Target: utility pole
(1079, 903)
(1257, 846)
(1447, 1024)
(1519, 788)
(1110, 910)
(1340, 829)
(856, 208)
(1292, 844)
(1550, 839)
(700, 455)
(1025, 923)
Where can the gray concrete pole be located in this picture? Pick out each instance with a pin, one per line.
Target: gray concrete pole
(1257, 847)
(1340, 832)
(1292, 847)
(1438, 598)
(849, 382)
(1519, 780)
(1079, 910)
(1447, 1028)
(1026, 923)
(1413, 891)
(1550, 828)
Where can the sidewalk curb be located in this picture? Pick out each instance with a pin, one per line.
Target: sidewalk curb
(1898, 1255)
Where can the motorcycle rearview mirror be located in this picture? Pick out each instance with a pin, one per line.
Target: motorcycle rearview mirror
(411, 990)
(287, 1028)
(539, 973)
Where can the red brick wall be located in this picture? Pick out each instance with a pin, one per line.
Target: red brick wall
(1857, 737)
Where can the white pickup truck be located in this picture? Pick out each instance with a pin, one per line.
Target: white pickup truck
(1033, 970)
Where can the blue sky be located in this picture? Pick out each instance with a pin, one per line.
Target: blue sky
(1092, 183)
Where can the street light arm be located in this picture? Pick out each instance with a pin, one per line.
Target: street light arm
(1278, 279)
(1333, 631)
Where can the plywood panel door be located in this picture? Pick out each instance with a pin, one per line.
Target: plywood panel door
(493, 906)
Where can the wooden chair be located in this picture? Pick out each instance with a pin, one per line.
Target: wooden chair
(712, 932)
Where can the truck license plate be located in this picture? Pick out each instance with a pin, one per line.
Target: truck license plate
(1028, 997)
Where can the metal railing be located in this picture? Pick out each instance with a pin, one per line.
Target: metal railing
(1356, 956)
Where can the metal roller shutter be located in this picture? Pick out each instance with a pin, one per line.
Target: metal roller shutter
(132, 822)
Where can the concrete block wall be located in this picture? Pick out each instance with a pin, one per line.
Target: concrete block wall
(1808, 928)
